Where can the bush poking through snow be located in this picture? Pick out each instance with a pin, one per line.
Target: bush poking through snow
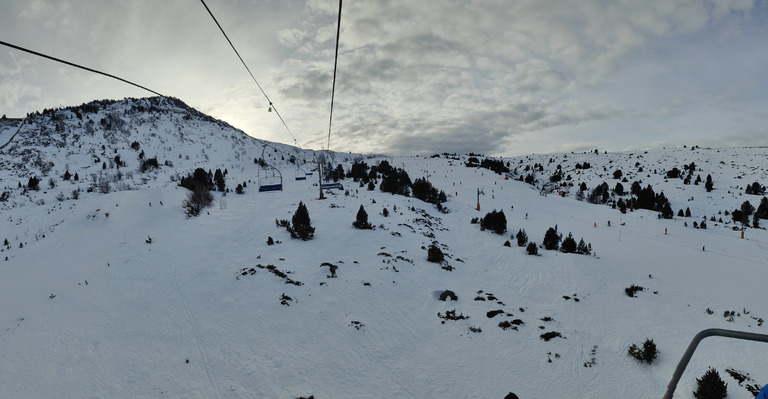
(647, 354)
(434, 254)
(548, 336)
(451, 315)
(632, 290)
(711, 386)
(448, 294)
(199, 198)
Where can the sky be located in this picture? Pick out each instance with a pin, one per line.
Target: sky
(492, 77)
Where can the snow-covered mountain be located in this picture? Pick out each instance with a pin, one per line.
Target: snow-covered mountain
(109, 290)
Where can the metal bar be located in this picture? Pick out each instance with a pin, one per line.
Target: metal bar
(695, 342)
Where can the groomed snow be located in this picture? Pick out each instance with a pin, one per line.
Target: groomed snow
(374, 331)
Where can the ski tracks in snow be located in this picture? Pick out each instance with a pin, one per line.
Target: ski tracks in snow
(198, 337)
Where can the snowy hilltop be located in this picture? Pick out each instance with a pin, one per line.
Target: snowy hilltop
(141, 259)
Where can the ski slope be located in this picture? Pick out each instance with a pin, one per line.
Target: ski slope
(175, 318)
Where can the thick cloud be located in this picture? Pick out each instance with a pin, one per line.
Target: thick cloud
(430, 76)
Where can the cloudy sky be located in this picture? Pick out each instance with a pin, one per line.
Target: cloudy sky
(498, 77)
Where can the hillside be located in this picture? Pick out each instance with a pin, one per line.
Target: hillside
(118, 293)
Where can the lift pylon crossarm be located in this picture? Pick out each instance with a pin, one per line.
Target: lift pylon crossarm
(719, 332)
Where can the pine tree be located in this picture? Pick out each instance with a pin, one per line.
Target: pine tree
(583, 248)
(666, 211)
(301, 226)
(33, 183)
(362, 220)
(711, 386)
(551, 240)
(709, 185)
(522, 238)
(218, 179)
(495, 221)
(569, 244)
(532, 248)
(622, 206)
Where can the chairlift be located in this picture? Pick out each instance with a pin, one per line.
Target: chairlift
(332, 185)
(270, 178)
(300, 174)
(329, 184)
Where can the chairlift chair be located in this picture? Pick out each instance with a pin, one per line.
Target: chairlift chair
(270, 178)
(300, 174)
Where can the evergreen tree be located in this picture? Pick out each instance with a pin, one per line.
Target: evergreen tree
(301, 226)
(622, 206)
(495, 221)
(711, 386)
(583, 248)
(522, 238)
(551, 239)
(762, 209)
(362, 220)
(569, 244)
(67, 175)
(666, 211)
(687, 212)
(709, 185)
(532, 249)
(218, 179)
(339, 172)
(34, 183)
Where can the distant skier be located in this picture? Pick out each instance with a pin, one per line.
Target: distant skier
(665, 231)
(526, 216)
(609, 223)
(703, 248)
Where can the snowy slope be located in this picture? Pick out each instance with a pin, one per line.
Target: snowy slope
(374, 330)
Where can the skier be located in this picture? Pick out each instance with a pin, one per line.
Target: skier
(763, 393)
(665, 231)
(609, 223)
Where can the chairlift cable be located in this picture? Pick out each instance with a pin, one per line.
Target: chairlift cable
(335, 64)
(271, 105)
(78, 66)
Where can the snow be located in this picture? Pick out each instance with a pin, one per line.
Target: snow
(373, 331)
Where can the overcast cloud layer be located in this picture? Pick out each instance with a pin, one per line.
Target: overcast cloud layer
(495, 77)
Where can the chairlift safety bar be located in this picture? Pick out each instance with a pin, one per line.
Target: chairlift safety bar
(695, 342)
